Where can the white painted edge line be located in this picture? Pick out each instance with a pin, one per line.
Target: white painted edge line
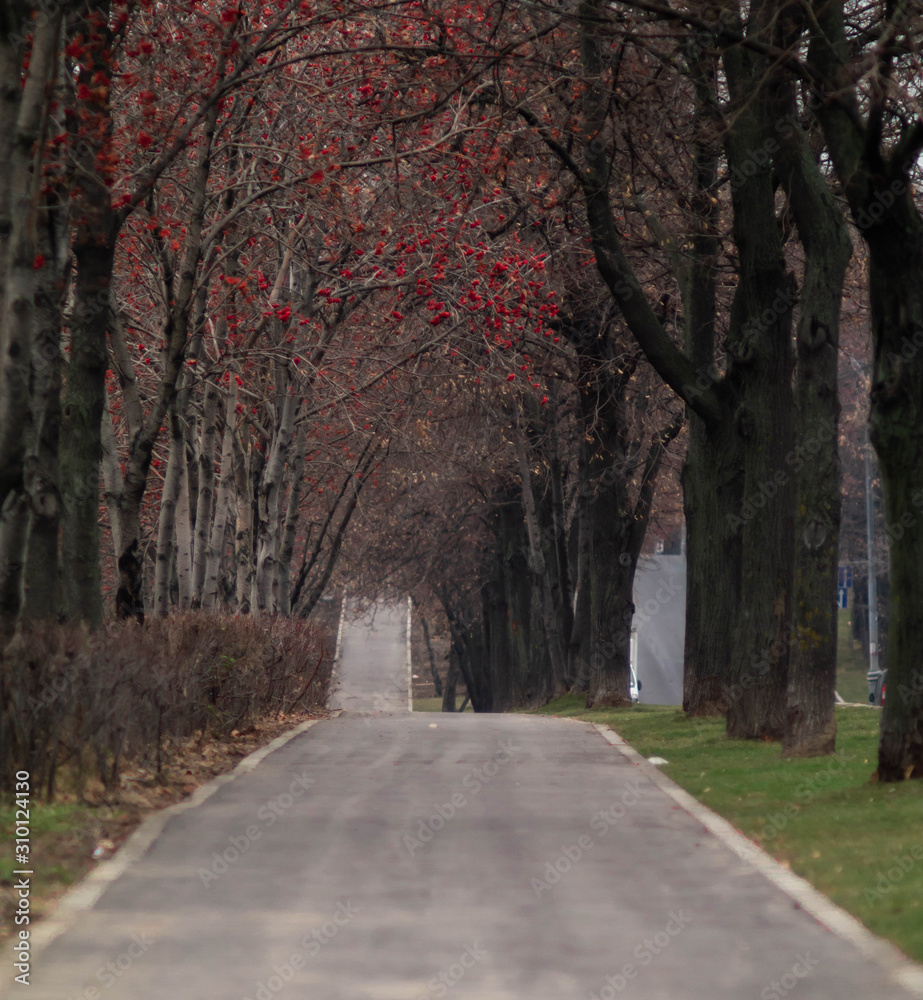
(339, 643)
(894, 962)
(85, 894)
(409, 655)
(335, 666)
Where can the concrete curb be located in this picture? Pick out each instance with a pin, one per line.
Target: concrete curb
(899, 968)
(85, 894)
(335, 666)
(409, 655)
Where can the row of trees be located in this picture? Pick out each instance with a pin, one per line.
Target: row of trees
(257, 261)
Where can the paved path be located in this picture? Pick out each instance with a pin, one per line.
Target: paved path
(401, 857)
(373, 672)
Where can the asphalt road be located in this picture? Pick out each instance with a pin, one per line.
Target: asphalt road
(395, 856)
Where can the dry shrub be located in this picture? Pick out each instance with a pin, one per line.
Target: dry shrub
(85, 702)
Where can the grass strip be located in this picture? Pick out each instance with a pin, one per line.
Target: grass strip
(859, 842)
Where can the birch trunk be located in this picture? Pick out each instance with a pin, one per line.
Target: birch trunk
(216, 542)
(18, 210)
(284, 579)
(206, 496)
(183, 530)
(244, 534)
(167, 520)
(178, 326)
(269, 503)
(112, 479)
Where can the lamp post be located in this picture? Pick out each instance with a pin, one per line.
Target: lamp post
(874, 672)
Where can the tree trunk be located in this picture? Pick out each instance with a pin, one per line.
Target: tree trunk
(42, 599)
(467, 632)
(451, 684)
(270, 494)
(23, 113)
(166, 524)
(437, 680)
(243, 536)
(497, 643)
(759, 347)
(872, 163)
(810, 723)
(712, 496)
(896, 287)
(81, 418)
(290, 526)
(205, 500)
(712, 477)
(216, 541)
(552, 619)
(176, 335)
(15, 521)
(530, 681)
(96, 231)
(183, 529)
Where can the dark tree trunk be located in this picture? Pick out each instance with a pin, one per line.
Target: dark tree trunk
(810, 723)
(580, 647)
(96, 227)
(530, 680)
(427, 639)
(449, 695)
(759, 345)
(81, 418)
(872, 164)
(896, 286)
(42, 599)
(497, 643)
(712, 495)
(712, 477)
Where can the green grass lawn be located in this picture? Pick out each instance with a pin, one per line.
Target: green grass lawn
(851, 668)
(62, 842)
(435, 704)
(859, 842)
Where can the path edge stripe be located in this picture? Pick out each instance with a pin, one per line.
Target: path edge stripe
(87, 891)
(895, 963)
(338, 650)
(409, 655)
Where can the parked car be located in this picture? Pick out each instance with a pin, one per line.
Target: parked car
(878, 685)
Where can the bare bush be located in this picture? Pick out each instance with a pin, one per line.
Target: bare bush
(87, 702)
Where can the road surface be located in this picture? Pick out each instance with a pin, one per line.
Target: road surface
(399, 856)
